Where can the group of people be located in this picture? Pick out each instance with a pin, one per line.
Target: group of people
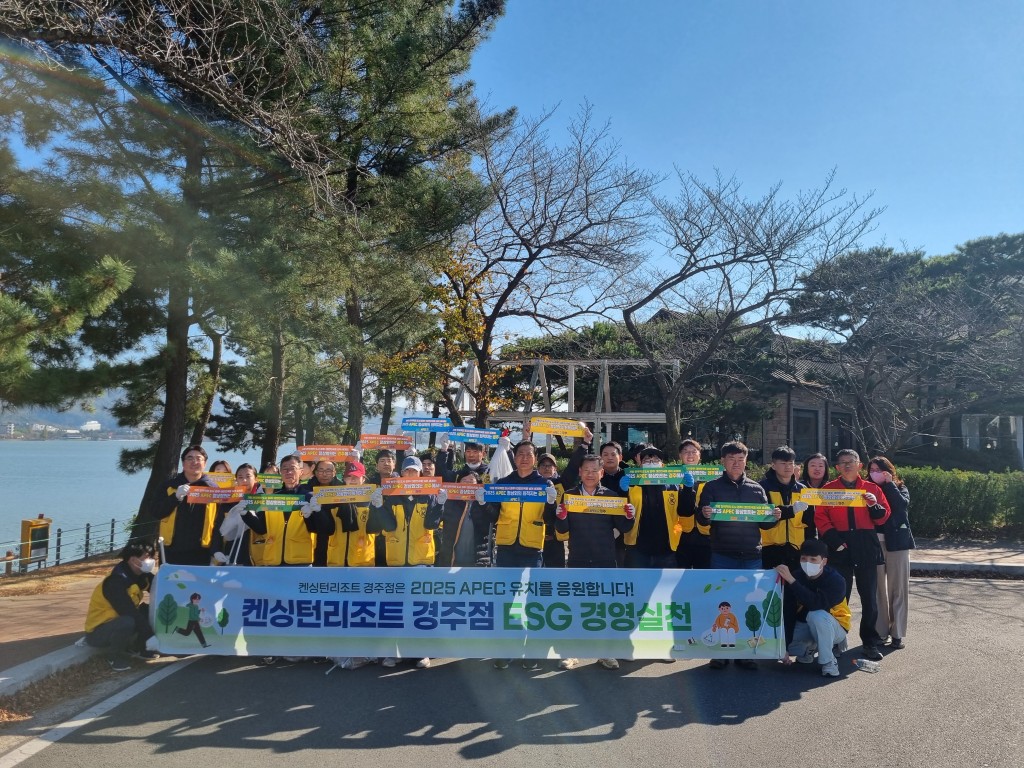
(820, 552)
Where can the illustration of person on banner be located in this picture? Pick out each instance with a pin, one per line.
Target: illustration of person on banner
(195, 613)
(186, 528)
(591, 533)
(694, 550)
(285, 534)
(409, 522)
(652, 540)
(735, 544)
(780, 544)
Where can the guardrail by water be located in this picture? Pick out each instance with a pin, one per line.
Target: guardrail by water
(67, 545)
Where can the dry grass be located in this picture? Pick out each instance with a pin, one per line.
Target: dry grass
(58, 687)
(56, 577)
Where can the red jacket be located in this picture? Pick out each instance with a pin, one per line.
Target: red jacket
(838, 518)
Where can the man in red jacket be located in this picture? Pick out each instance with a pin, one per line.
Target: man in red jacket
(853, 545)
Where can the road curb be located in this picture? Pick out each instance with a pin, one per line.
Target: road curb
(956, 568)
(14, 679)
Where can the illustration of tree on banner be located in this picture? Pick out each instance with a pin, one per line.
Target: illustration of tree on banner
(167, 612)
(222, 619)
(752, 618)
(772, 613)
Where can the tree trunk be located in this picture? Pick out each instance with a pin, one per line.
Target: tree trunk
(216, 361)
(354, 428)
(386, 414)
(272, 438)
(672, 422)
(310, 420)
(172, 427)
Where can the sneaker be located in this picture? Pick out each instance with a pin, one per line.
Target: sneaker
(568, 663)
(609, 663)
(831, 669)
(501, 663)
(119, 664)
(267, 661)
(872, 653)
(749, 664)
(718, 663)
(423, 664)
(840, 648)
(389, 662)
(897, 644)
(531, 664)
(807, 658)
(358, 661)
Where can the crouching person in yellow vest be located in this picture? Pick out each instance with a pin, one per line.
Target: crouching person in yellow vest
(117, 620)
(409, 523)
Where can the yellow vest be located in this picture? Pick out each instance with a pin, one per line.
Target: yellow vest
(101, 611)
(411, 543)
(520, 522)
(672, 519)
(167, 524)
(791, 532)
(689, 523)
(841, 612)
(358, 545)
(291, 545)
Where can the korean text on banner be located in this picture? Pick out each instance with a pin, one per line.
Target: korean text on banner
(656, 475)
(410, 424)
(269, 481)
(701, 473)
(461, 491)
(743, 513)
(471, 612)
(544, 425)
(595, 505)
(328, 453)
(474, 435)
(273, 502)
(222, 479)
(833, 497)
(394, 442)
(411, 486)
(343, 494)
(203, 494)
(522, 493)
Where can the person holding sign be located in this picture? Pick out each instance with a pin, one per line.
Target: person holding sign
(823, 614)
(853, 545)
(409, 523)
(652, 540)
(325, 473)
(780, 544)
(232, 535)
(353, 543)
(694, 550)
(463, 528)
(591, 533)
(187, 529)
(286, 536)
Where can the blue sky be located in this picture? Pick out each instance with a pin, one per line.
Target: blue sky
(920, 102)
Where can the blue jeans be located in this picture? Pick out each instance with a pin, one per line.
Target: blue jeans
(821, 632)
(726, 563)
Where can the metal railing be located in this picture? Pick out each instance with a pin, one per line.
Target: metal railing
(67, 545)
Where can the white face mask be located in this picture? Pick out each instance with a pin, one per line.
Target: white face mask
(878, 477)
(652, 464)
(811, 569)
(147, 565)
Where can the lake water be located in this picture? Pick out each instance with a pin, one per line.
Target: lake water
(75, 482)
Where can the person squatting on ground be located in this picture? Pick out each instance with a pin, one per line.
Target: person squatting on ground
(117, 619)
(823, 614)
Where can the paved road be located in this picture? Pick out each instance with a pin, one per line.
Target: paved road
(952, 698)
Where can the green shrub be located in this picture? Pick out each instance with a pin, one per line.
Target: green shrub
(965, 503)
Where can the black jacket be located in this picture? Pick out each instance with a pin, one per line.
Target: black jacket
(592, 537)
(731, 538)
(896, 528)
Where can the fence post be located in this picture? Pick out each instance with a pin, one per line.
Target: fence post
(8, 563)
(112, 521)
(88, 526)
(57, 561)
